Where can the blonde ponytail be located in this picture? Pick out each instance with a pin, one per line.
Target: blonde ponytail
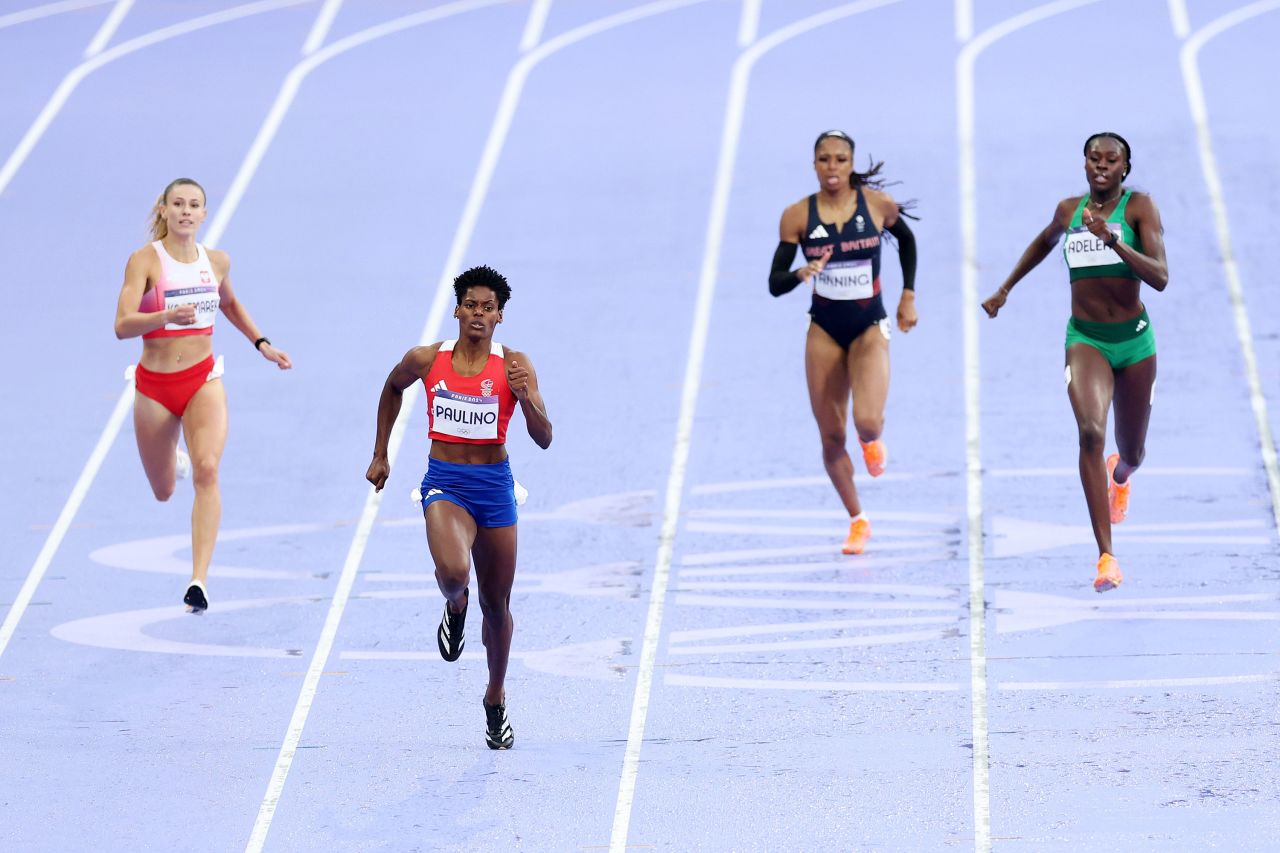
(158, 225)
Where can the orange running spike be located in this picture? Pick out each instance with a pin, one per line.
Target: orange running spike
(1109, 576)
(1117, 494)
(859, 533)
(876, 455)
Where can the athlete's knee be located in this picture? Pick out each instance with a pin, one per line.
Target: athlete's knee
(1093, 436)
(496, 608)
(869, 428)
(1133, 457)
(452, 579)
(833, 440)
(204, 471)
(163, 491)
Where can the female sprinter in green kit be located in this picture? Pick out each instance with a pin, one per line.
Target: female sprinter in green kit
(1114, 243)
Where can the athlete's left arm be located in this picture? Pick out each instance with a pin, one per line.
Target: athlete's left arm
(239, 315)
(1150, 263)
(524, 385)
(896, 225)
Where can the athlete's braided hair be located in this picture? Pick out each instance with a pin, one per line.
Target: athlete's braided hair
(870, 178)
(483, 276)
(1128, 155)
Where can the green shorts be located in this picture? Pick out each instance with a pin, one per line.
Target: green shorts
(1122, 344)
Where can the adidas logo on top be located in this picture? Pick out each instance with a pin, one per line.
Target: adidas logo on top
(439, 386)
(818, 233)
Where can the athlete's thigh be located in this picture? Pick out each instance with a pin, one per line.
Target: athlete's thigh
(1134, 385)
(1090, 383)
(828, 378)
(869, 371)
(495, 559)
(204, 423)
(156, 430)
(450, 533)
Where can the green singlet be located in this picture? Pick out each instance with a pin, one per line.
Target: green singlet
(1087, 256)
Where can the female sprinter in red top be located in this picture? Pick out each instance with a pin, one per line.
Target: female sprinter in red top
(468, 494)
(173, 289)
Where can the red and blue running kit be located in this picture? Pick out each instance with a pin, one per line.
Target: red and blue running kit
(471, 410)
(846, 294)
(180, 284)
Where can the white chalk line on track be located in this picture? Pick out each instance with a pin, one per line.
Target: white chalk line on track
(534, 25)
(1218, 205)
(466, 227)
(35, 13)
(108, 29)
(732, 127)
(966, 131)
(320, 28)
(69, 83)
(1179, 18)
(116, 420)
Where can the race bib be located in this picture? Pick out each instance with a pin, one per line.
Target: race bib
(846, 280)
(1083, 249)
(464, 416)
(205, 299)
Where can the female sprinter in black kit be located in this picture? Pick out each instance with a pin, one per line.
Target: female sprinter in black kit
(847, 347)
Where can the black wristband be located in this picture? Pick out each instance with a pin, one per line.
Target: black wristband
(259, 342)
(1114, 240)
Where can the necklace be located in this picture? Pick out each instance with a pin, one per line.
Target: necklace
(1098, 205)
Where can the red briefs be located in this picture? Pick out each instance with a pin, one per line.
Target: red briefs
(174, 390)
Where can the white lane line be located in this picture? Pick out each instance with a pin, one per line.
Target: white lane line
(534, 25)
(964, 20)
(1218, 204)
(857, 565)
(748, 529)
(749, 22)
(1202, 681)
(320, 28)
(114, 19)
(718, 215)
(123, 403)
(51, 543)
(1147, 471)
(965, 97)
(813, 514)
(84, 69)
(35, 13)
(289, 90)
(462, 238)
(721, 683)
(793, 627)
(775, 603)
(864, 641)
(817, 586)
(1179, 18)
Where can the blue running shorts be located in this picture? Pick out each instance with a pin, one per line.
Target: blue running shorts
(487, 492)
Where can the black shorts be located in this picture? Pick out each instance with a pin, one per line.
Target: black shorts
(845, 320)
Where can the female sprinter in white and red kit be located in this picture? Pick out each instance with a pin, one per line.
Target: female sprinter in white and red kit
(468, 494)
(172, 291)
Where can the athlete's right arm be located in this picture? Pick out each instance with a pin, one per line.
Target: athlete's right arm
(1039, 249)
(415, 365)
(130, 322)
(782, 279)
